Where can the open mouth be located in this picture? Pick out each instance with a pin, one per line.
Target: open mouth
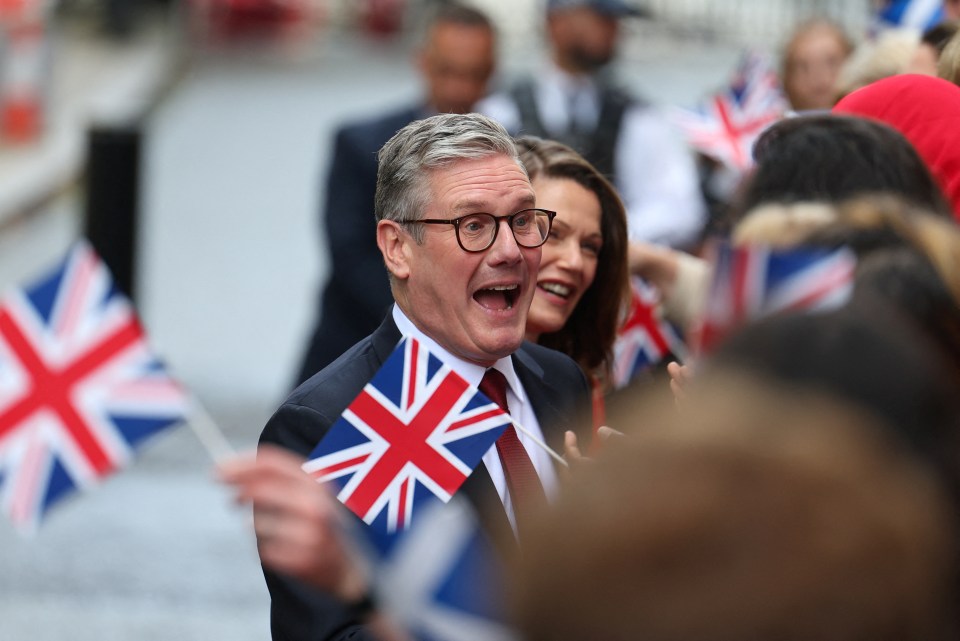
(497, 298)
(557, 289)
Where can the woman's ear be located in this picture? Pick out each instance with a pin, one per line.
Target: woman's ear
(394, 243)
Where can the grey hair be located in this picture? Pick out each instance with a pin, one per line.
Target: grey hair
(403, 191)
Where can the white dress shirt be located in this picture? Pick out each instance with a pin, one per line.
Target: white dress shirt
(520, 410)
(655, 171)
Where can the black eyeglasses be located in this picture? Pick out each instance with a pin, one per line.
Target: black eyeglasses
(477, 232)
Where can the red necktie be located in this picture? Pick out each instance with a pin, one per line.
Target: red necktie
(522, 479)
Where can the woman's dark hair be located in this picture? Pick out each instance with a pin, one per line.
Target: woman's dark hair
(829, 158)
(589, 333)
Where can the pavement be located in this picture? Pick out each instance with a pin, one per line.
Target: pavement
(230, 263)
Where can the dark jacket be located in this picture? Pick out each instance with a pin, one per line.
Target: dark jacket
(558, 393)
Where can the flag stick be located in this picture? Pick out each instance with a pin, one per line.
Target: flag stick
(546, 448)
(209, 434)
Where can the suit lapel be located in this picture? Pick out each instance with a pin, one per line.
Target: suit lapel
(385, 339)
(552, 419)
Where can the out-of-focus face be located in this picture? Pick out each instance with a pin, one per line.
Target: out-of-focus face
(473, 304)
(924, 60)
(456, 62)
(951, 9)
(569, 261)
(813, 62)
(583, 39)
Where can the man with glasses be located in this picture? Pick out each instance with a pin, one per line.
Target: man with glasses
(455, 63)
(460, 235)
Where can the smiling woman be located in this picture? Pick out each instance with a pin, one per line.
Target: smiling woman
(582, 282)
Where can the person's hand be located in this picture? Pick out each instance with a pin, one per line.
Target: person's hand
(296, 521)
(571, 454)
(655, 264)
(571, 446)
(680, 376)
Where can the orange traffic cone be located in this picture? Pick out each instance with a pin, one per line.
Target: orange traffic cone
(24, 70)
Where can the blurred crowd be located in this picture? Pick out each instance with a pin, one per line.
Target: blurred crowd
(797, 476)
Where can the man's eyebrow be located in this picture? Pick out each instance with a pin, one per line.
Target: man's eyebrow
(472, 206)
(485, 206)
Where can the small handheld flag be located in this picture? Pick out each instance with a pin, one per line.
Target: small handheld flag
(416, 429)
(726, 124)
(915, 14)
(443, 579)
(754, 281)
(645, 339)
(79, 387)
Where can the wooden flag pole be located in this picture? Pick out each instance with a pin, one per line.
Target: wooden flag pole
(208, 433)
(546, 448)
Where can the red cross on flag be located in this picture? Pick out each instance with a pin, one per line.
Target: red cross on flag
(79, 387)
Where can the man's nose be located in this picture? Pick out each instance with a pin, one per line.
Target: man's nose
(505, 246)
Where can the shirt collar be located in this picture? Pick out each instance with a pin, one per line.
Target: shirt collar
(471, 372)
(569, 83)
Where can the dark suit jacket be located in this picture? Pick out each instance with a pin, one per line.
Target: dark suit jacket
(557, 390)
(357, 294)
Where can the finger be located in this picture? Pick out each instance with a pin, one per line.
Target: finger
(675, 370)
(605, 432)
(571, 447)
(273, 467)
(678, 392)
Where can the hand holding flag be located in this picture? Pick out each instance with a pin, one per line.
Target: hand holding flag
(440, 580)
(298, 523)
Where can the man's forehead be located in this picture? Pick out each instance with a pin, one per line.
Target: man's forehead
(477, 182)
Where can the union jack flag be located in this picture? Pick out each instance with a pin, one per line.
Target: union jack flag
(79, 387)
(754, 281)
(417, 425)
(645, 339)
(726, 124)
(915, 14)
(442, 579)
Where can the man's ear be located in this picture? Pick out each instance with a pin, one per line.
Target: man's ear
(394, 244)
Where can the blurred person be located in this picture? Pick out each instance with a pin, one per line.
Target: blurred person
(908, 266)
(908, 259)
(458, 231)
(812, 60)
(926, 111)
(829, 158)
(573, 99)
(887, 55)
(948, 65)
(816, 158)
(932, 43)
(582, 282)
(455, 62)
(870, 353)
(759, 514)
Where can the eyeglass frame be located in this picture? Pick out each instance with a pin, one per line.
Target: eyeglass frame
(496, 229)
